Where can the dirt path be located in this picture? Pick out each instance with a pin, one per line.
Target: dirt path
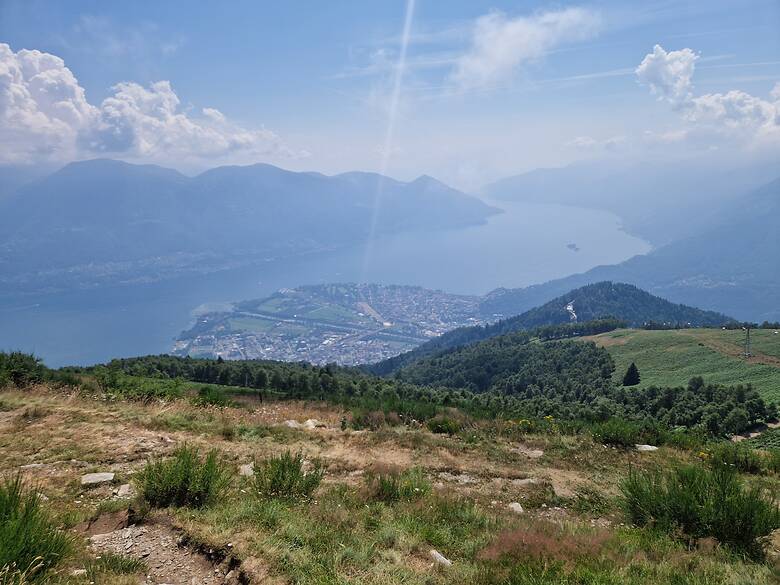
(162, 549)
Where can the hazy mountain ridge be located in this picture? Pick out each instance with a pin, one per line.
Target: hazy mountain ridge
(660, 203)
(111, 217)
(731, 268)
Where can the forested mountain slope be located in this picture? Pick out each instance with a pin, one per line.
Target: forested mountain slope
(622, 301)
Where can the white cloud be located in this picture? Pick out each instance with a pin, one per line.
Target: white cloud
(588, 143)
(735, 113)
(500, 45)
(44, 114)
(668, 74)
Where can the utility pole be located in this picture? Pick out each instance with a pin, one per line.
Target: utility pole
(747, 353)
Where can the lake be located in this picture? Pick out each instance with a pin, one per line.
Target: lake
(527, 244)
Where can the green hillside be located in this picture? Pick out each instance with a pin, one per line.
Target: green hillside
(671, 358)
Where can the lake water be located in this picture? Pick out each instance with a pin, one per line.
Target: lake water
(527, 244)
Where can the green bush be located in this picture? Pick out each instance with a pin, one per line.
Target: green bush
(616, 432)
(185, 479)
(212, 396)
(30, 544)
(444, 425)
(392, 485)
(698, 502)
(284, 477)
(20, 369)
(741, 457)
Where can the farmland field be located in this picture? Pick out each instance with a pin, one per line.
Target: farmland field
(672, 357)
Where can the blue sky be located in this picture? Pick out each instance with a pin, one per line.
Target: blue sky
(488, 89)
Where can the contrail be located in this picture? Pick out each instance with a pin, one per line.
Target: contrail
(389, 133)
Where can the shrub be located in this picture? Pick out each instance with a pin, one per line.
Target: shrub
(30, 544)
(616, 432)
(212, 396)
(185, 479)
(699, 503)
(373, 420)
(442, 424)
(20, 369)
(741, 457)
(390, 484)
(773, 460)
(284, 477)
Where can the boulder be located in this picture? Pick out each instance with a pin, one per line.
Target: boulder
(312, 424)
(516, 507)
(246, 470)
(293, 424)
(91, 479)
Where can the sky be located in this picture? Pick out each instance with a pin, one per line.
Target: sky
(463, 90)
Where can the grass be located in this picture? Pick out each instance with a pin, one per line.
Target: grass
(113, 564)
(30, 543)
(700, 503)
(185, 479)
(286, 477)
(390, 484)
(671, 358)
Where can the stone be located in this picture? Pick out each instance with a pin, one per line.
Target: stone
(312, 424)
(32, 466)
(516, 507)
(440, 559)
(125, 491)
(526, 481)
(78, 572)
(645, 448)
(91, 479)
(246, 470)
(293, 424)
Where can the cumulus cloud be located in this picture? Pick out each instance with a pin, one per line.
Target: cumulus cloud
(669, 76)
(500, 45)
(668, 73)
(44, 114)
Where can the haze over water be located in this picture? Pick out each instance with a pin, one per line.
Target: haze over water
(525, 245)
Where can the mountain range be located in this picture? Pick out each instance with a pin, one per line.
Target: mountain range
(102, 219)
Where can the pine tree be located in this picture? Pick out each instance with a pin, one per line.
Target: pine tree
(632, 376)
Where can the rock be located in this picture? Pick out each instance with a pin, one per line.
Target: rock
(462, 478)
(293, 424)
(516, 507)
(440, 559)
(125, 491)
(645, 448)
(246, 470)
(78, 572)
(32, 466)
(312, 424)
(526, 481)
(232, 578)
(530, 453)
(97, 478)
